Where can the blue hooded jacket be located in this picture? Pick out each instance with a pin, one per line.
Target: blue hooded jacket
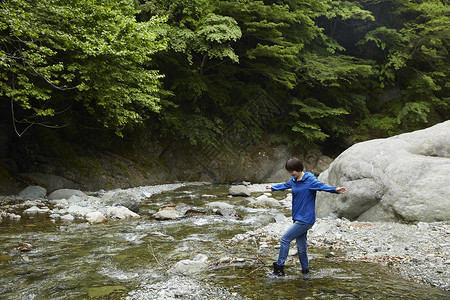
(304, 196)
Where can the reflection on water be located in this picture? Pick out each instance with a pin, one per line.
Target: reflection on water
(330, 280)
(78, 261)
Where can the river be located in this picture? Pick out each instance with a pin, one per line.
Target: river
(76, 260)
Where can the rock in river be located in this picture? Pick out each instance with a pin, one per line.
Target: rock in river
(239, 190)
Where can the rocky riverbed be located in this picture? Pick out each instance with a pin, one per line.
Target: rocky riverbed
(419, 252)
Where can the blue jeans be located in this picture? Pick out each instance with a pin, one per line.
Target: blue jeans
(299, 232)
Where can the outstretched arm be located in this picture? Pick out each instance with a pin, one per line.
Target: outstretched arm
(279, 187)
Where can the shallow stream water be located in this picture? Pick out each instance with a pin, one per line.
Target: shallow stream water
(75, 260)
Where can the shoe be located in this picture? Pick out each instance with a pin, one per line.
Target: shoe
(306, 274)
(278, 270)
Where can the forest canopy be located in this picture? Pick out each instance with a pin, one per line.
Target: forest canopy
(312, 71)
(63, 59)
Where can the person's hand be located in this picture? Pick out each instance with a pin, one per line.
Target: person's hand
(268, 187)
(341, 190)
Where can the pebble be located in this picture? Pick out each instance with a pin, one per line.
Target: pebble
(67, 218)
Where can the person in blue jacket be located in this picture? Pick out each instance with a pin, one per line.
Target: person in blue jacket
(304, 186)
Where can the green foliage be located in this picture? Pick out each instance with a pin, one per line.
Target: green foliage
(54, 52)
(195, 69)
(383, 37)
(211, 39)
(315, 109)
(335, 70)
(220, 50)
(312, 110)
(413, 113)
(381, 123)
(414, 56)
(194, 128)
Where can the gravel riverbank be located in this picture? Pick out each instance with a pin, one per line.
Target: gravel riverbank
(182, 287)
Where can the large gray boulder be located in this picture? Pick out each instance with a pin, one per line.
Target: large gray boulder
(33, 192)
(125, 198)
(405, 177)
(50, 181)
(65, 194)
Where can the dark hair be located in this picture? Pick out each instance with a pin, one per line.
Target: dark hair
(294, 164)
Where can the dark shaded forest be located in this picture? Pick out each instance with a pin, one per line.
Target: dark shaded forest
(321, 72)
